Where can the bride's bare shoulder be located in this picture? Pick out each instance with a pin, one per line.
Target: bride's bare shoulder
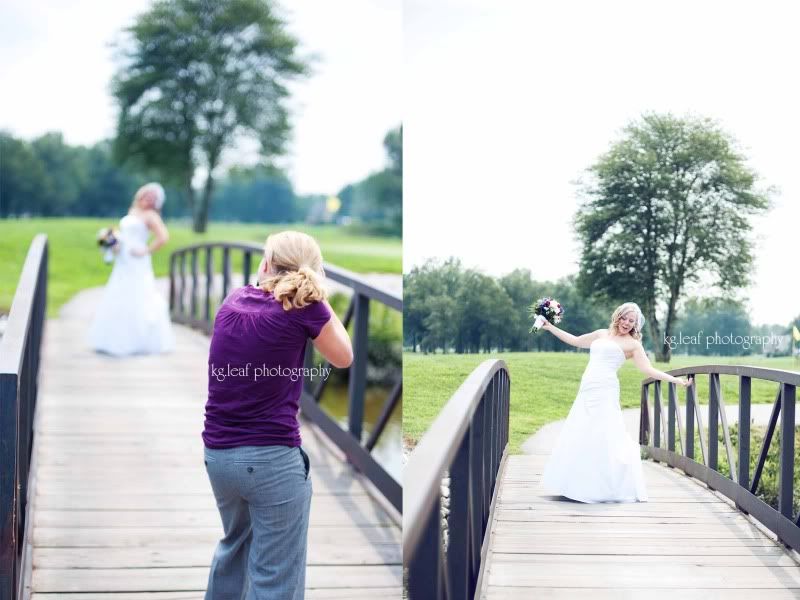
(632, 345)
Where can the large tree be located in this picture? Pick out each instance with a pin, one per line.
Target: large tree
(667, 205)
(196, 78)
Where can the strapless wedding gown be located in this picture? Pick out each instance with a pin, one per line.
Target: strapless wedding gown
(594, 459)
(132, 317)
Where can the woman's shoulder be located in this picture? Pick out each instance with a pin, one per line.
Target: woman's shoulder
(312, 317)
(237, 294)
(311, 310)
(631, 344)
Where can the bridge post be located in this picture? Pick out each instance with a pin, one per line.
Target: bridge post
(172, 258)
(690, 408)
(246, 268)
(9, 496)
(357, 384)
(209, 282)
(744, 431)
(671, 411)
(657, 414)
(713, 421)
(193, 300)
(644, 416)
(786, 481)
(182, 294)
(476, 434)
(458, 549)
(226, 271)
(424, 567)
(20, 353)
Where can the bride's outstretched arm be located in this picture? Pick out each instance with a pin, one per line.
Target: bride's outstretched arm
(579, 341)
(643, 364)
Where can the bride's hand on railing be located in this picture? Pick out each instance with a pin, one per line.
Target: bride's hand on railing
(683, 381)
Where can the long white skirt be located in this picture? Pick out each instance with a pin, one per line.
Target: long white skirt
(132, 317)
(595, 459)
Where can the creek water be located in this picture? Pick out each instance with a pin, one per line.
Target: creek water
(388, 449)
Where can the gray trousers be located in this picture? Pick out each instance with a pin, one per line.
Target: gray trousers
(263, 494)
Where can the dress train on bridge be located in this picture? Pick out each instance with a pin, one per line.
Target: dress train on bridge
(132, 316)
(594, 458)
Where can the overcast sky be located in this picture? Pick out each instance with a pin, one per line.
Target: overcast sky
(56, 66)
(507, 102)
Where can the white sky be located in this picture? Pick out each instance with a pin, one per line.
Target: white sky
(55, 67)
(508, 102)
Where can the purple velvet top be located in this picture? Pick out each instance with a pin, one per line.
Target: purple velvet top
(257, 349)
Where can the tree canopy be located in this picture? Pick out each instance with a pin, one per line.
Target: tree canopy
(667, 205)
(196, 78)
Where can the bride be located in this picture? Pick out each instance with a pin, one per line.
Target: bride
(133, 317)
(594, 459)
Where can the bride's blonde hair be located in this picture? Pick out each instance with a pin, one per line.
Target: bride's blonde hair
(636, 330)
(294, 269)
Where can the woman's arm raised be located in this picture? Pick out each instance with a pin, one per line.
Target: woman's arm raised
(579, 341)
(333, 341)
(643, 364)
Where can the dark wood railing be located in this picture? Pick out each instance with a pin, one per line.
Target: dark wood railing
(192, 301)
(737, 484)
(469, 440)
(19, 370)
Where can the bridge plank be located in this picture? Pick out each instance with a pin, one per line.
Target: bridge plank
(311, 594)
(685, 542)
(632, 593)
(195, 578)
(123, 508)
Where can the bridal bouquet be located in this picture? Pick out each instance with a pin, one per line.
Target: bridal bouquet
(545, 309)
(107, 241)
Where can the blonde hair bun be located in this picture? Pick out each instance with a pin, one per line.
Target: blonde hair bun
(295, 273)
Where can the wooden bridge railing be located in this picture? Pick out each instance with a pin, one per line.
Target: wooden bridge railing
(19, 370)
(468, 440)
(737, 484)
(191, 303)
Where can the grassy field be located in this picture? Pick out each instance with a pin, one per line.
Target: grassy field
(544, 385)
(75, 261)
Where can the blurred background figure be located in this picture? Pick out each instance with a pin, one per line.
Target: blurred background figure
(132, 316)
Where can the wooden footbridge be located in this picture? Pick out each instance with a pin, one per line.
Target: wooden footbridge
(109, 498)
(494, 533)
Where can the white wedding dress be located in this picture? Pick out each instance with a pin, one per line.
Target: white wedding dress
(595, 459)
(132, 317)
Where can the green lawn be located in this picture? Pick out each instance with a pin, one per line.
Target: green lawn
(75, 261)
(544, 385)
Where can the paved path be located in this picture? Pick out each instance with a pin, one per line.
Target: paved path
(123, 509)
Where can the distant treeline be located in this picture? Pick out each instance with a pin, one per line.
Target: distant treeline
(48, 177)
(447, 307)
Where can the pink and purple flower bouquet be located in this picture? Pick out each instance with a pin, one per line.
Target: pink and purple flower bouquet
(545, 309)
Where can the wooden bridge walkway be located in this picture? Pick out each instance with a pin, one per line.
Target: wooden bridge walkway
(121, 504)
(686, 542)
